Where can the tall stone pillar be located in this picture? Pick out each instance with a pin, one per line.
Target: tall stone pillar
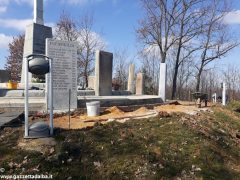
(140, 86)
(162, 81)
(35, 36)
(38, 12)
(131, 78)
(103, 73)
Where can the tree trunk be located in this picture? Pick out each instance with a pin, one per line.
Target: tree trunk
(199, 78)
(174, 85)
(86, 78)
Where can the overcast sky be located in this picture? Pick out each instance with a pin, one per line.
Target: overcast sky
(116, 20)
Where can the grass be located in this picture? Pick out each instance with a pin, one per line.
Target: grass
(154, 148)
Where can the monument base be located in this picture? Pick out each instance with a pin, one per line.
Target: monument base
(131, 100)
(38, 130)
(34, 43)
(38, 103)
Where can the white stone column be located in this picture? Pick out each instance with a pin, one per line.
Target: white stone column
(91, 82)
(131, 78)
(140, 85)
(224, 94)
(215, 97)
(162, 81)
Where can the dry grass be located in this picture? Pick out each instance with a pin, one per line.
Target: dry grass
(202, 146)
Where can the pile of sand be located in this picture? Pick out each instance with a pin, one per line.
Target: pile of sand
(114, 111)
(176, 108)
(79, 121)
(141, 110)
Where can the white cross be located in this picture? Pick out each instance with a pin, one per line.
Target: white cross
(38, 12)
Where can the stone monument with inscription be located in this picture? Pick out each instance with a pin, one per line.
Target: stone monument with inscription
(35, 36)
(64, 65)
(103, 73)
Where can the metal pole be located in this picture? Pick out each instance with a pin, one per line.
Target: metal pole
(47, 79)
(51, 96)
(26, 97)
(69, 109)
(47, 90)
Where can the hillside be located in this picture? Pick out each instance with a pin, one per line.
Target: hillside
(205, 145)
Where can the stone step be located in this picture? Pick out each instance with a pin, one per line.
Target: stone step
(7, 117)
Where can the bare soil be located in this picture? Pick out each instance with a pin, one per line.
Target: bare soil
(114, 113)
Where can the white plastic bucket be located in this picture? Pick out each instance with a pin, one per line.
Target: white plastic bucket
(93, 108)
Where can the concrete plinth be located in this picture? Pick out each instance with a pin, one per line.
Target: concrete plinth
(103, 73)
(162, 81)
(131, 78)
(108, 101)
(7, 117)
(38, 103)
(140, 84)
(34, 43)
(11, 104)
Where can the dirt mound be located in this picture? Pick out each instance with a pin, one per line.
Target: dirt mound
(176, 109)
(164, 114)
(79, 121)
(115, 110)
(141, 110)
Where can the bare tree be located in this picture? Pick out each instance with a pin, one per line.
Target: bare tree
(66, 28)
(211, 80)
(232, 79)
(156, 28)
(185, 74)
(121, 64)
(88, 43)
(215, 40)
(182, 29)
(151, 68)
(14, 60)
(187, 28)
(171, 26)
